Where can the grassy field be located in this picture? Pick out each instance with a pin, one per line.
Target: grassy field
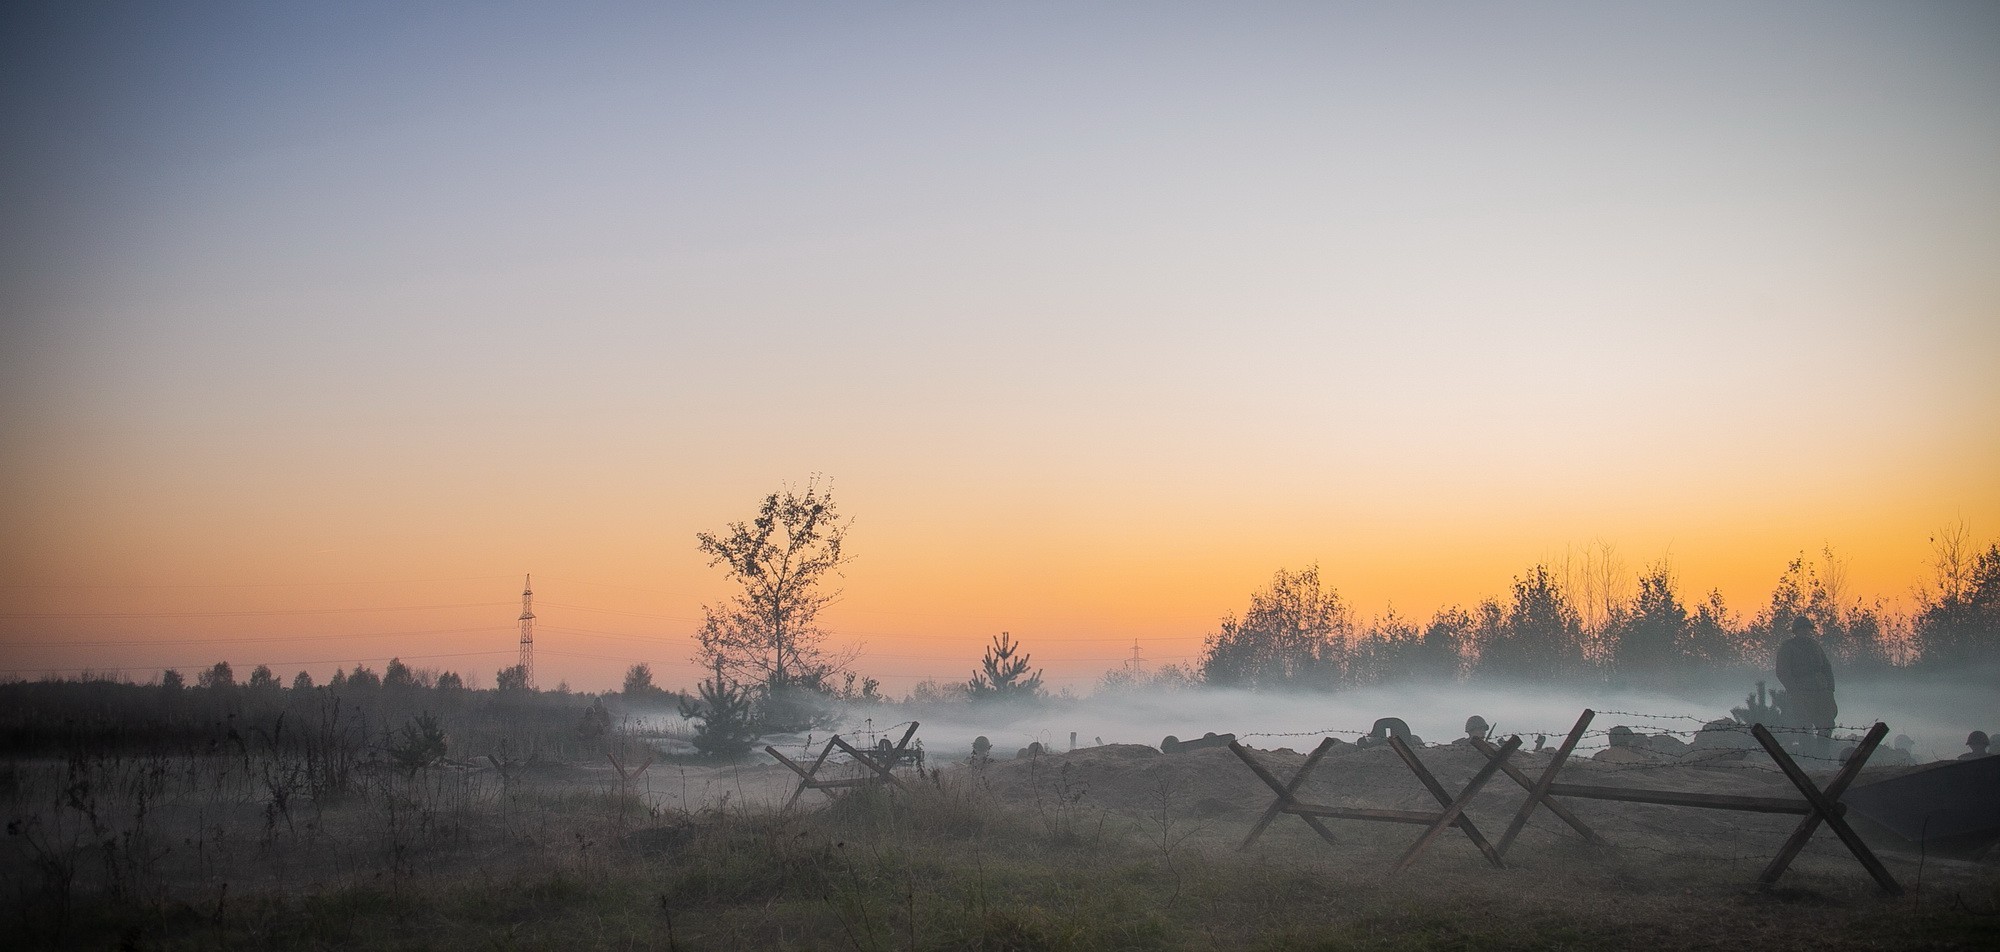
(208, 852)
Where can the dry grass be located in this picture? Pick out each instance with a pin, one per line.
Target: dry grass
(1069, 852)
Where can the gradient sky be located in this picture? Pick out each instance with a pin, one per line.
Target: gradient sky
(321, 316)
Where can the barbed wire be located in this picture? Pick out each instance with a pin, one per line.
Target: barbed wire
(1594, 742)
(811, 742)
(1564, 731)
(1717, 759)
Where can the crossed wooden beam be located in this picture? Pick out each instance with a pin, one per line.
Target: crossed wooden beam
(1817, 805)
(628, 774)
(1452, 815)
(878, 763)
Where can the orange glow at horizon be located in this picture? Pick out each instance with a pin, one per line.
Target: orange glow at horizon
(920, 600)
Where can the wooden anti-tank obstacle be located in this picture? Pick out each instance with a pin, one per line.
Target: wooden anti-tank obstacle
(628, 774)
(1816, 805)
(878, 763)
(1452, 815)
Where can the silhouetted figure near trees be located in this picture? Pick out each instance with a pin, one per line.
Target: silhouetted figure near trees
(1808, 679)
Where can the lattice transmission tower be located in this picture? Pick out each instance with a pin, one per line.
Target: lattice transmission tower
(528, 630)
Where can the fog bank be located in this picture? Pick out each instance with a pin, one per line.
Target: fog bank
(1937, 717)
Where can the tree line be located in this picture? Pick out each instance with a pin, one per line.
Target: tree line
(771, 668)
(1299, 633)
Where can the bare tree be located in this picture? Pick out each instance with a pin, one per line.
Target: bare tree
(1952, 558)
(1597, 586)
(1834, 579)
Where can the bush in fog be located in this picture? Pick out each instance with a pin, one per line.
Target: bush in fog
(1003, 675)
(722, 714)
(420, 744)
(1167, 677)
(932, 691)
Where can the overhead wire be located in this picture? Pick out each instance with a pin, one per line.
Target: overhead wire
(253, 639)
(657, 640)
(42, 616)
(165, 585)
(156, 667)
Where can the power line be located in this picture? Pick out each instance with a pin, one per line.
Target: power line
(24, 616)
(621, 660)
(997, 619)
(428, 657)
(617, 611)
(629, 588)
(256, 639)
(98, 585)
(663, 641)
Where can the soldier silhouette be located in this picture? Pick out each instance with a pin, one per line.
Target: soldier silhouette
(1808, 679)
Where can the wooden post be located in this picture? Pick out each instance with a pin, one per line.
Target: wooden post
(1286, 793)
(1454, 807)
(1815, 805)
(1453, 814)
(1825, 808)
(805, 775)
(809, 776)
(1285, 802)
(1540, 790)
(1562, 812)
(880, 769)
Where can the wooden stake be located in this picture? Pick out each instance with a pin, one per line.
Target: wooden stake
(1540, 791)
(1825, 808)
(1454, 807)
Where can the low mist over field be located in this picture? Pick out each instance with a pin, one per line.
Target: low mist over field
(1937, 717)
(462, 463)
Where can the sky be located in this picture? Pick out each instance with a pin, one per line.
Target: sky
(324, 324)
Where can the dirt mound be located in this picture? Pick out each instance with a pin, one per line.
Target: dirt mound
(1128, 778)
